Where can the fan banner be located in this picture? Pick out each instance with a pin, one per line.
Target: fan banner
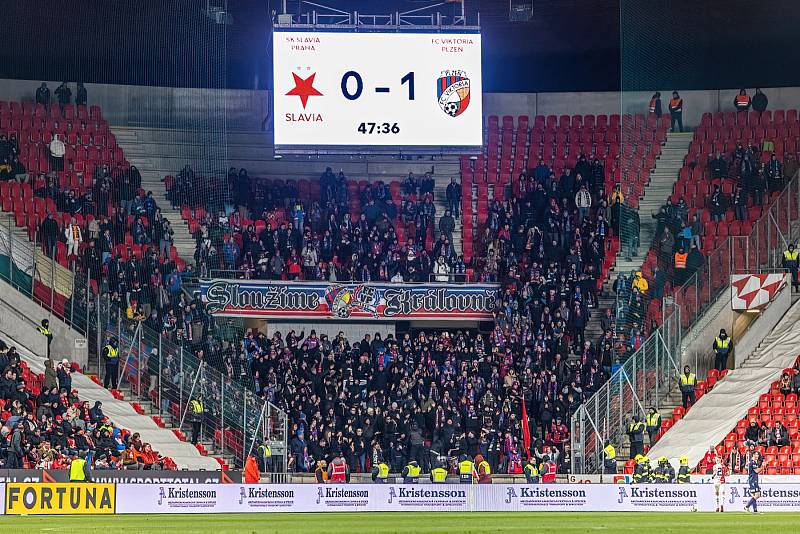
(349, 300)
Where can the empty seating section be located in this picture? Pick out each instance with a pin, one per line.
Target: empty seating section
(87, 137)
(89, 144)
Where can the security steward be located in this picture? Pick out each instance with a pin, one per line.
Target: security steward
(484, 470)
(44, 329)
(411, 473)
(466, 470)
(722, 347)
(653, 424)
(531, 471)
(610, 458)
(679, 262)
(791, 262)
(688, 383)
(636, 436)
(264, 457)
(549, 470)
(380, 472)
(655, 105)
(683, 471)
(79, 469)
(676, 112)
(111, 357)
(197, 418)
(438, 474)
(641, 471)
(742, 101)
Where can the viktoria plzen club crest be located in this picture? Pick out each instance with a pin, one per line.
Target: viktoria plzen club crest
(452, 88)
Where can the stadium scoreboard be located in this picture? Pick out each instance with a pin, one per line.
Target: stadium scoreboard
(336, 90)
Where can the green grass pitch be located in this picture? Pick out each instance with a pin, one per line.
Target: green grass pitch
(411, 523)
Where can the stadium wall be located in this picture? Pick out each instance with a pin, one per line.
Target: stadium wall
(19, 317)
(169, 107)
(747, 330)
(766, 321)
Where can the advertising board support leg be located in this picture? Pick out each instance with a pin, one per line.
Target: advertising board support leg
(191, 394)
(244, 427)
(160, 372)
(222, 418)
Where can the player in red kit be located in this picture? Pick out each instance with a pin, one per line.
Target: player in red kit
(718, 473)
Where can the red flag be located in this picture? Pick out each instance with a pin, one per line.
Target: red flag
(526, 431)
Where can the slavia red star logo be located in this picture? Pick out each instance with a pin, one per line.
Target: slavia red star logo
(304, 88)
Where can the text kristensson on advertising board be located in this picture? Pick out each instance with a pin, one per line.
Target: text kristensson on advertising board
(48, 498)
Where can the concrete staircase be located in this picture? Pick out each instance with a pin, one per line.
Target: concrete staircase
(662, 180)
(440, 201)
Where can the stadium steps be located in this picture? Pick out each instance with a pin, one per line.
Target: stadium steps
(662, 180)
(120, 412)
(657, 192)
(440, 201)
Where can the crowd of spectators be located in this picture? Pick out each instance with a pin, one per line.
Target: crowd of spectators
(427, 397)
(45, 424)
(346, 234)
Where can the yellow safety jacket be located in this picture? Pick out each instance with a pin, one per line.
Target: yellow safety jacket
(76, 472)
(723, 344)
(465, 468)
(610, 452)
(438, 475)
(487, 469)
(531, 472)
(112, 353)
(653, 420)
(383, 470)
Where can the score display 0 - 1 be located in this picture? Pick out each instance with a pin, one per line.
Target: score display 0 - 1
(338, 89)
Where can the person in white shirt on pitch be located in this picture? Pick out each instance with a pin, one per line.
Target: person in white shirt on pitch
(74, 237)
(718, 473)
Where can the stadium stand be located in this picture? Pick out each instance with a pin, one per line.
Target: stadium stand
(745, 142)
(333, 229)
(720, 422)
(54, 421)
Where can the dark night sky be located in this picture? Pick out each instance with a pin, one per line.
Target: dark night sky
(570, 45)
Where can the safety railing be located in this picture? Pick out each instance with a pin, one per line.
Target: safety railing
(759, 251)
(651, 371)
(161, 373)
(164, 373)
(640, 382)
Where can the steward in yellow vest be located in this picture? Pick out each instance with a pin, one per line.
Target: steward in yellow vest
(466, 470)
(79, 469)
(411, 473)
(380, 473)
